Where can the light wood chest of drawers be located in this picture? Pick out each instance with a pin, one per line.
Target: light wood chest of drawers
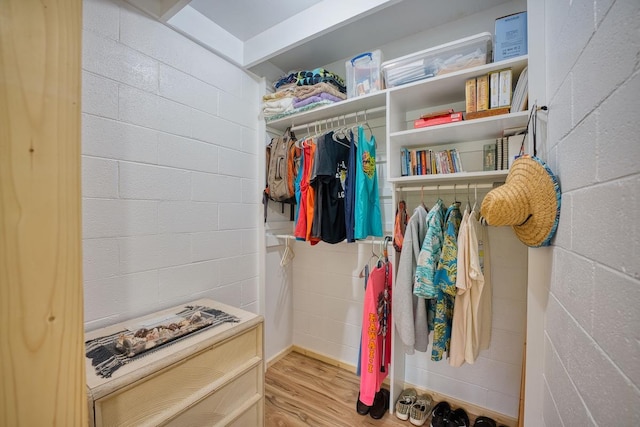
(214, 377)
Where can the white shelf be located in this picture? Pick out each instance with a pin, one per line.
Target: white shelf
(467, 130)
(447, 88)
(359, 104)
(450, 178)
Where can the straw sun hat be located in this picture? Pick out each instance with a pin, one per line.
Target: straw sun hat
(529, 202)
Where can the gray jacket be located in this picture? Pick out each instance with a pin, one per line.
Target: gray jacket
(410, 311)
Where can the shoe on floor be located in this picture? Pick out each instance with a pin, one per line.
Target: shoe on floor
(419, 411)
(483, 421)
(405, 401)
(361, 408)
(458, 418)
(440, 415)
(380, 404)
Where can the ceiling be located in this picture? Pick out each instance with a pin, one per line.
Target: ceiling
(248, 18)
(276, 36)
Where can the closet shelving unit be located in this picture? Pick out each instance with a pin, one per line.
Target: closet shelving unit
(406, 103)
(402, 105)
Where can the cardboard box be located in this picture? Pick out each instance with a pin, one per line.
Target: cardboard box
(510, 36)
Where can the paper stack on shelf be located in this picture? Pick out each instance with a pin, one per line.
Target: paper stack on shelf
(521, 93)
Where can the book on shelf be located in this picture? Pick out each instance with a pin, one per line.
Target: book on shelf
(521, 92)
(492, 94)
(489, 157)
(403, 162)
(428, 162)
(494, 89)
(515, 146)
(470, 95)
(504, 95)
(500, 156)
(482, 93)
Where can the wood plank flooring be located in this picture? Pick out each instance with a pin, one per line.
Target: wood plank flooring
(301, 391)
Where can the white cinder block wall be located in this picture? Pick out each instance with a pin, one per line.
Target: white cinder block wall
(592, 327)
(169, 160)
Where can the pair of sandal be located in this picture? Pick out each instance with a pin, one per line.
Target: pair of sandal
(413, 407)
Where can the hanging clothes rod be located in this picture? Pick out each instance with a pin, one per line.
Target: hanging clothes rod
(360, 242)
(357, 114)
(454, 187)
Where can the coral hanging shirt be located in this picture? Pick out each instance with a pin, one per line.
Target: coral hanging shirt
(376, 344)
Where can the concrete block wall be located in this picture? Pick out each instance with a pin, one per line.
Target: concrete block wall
(591, 352)
(169, 160)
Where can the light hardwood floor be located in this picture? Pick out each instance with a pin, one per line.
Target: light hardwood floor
(301, 391)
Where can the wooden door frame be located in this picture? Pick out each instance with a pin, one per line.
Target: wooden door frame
(41, 294)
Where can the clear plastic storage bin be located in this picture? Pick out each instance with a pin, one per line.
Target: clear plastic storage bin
(457, 55)
(364, 74)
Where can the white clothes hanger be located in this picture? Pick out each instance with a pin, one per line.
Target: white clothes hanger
(287, 255)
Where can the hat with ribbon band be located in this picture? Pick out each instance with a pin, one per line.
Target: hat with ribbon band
(529, 202)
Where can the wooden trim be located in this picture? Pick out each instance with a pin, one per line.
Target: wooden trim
(323, 358)
(470, 408)
(279, 356)
(41, 293)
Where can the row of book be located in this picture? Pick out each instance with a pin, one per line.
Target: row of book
(500, 156)
(429, 162)
(489, 94)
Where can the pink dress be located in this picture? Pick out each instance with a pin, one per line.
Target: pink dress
(376, 345)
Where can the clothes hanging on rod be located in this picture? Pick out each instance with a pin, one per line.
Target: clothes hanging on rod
(409, 310)
(330, 208)
(430, 253)
(329, 183)
(428, 281)
(368, 219)
(302, 229)
(445, 283)
(376, 338)
(471, 331)
(350, 190)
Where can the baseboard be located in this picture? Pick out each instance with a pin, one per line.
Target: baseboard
(279, 356)
(323, 358)
(472, 409)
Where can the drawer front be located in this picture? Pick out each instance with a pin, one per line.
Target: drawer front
(229, 398)
(165, 391)
(252, 417)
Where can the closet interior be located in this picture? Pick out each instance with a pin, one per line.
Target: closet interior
(313, 294)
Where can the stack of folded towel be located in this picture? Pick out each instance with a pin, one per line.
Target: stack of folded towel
(301, 91)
